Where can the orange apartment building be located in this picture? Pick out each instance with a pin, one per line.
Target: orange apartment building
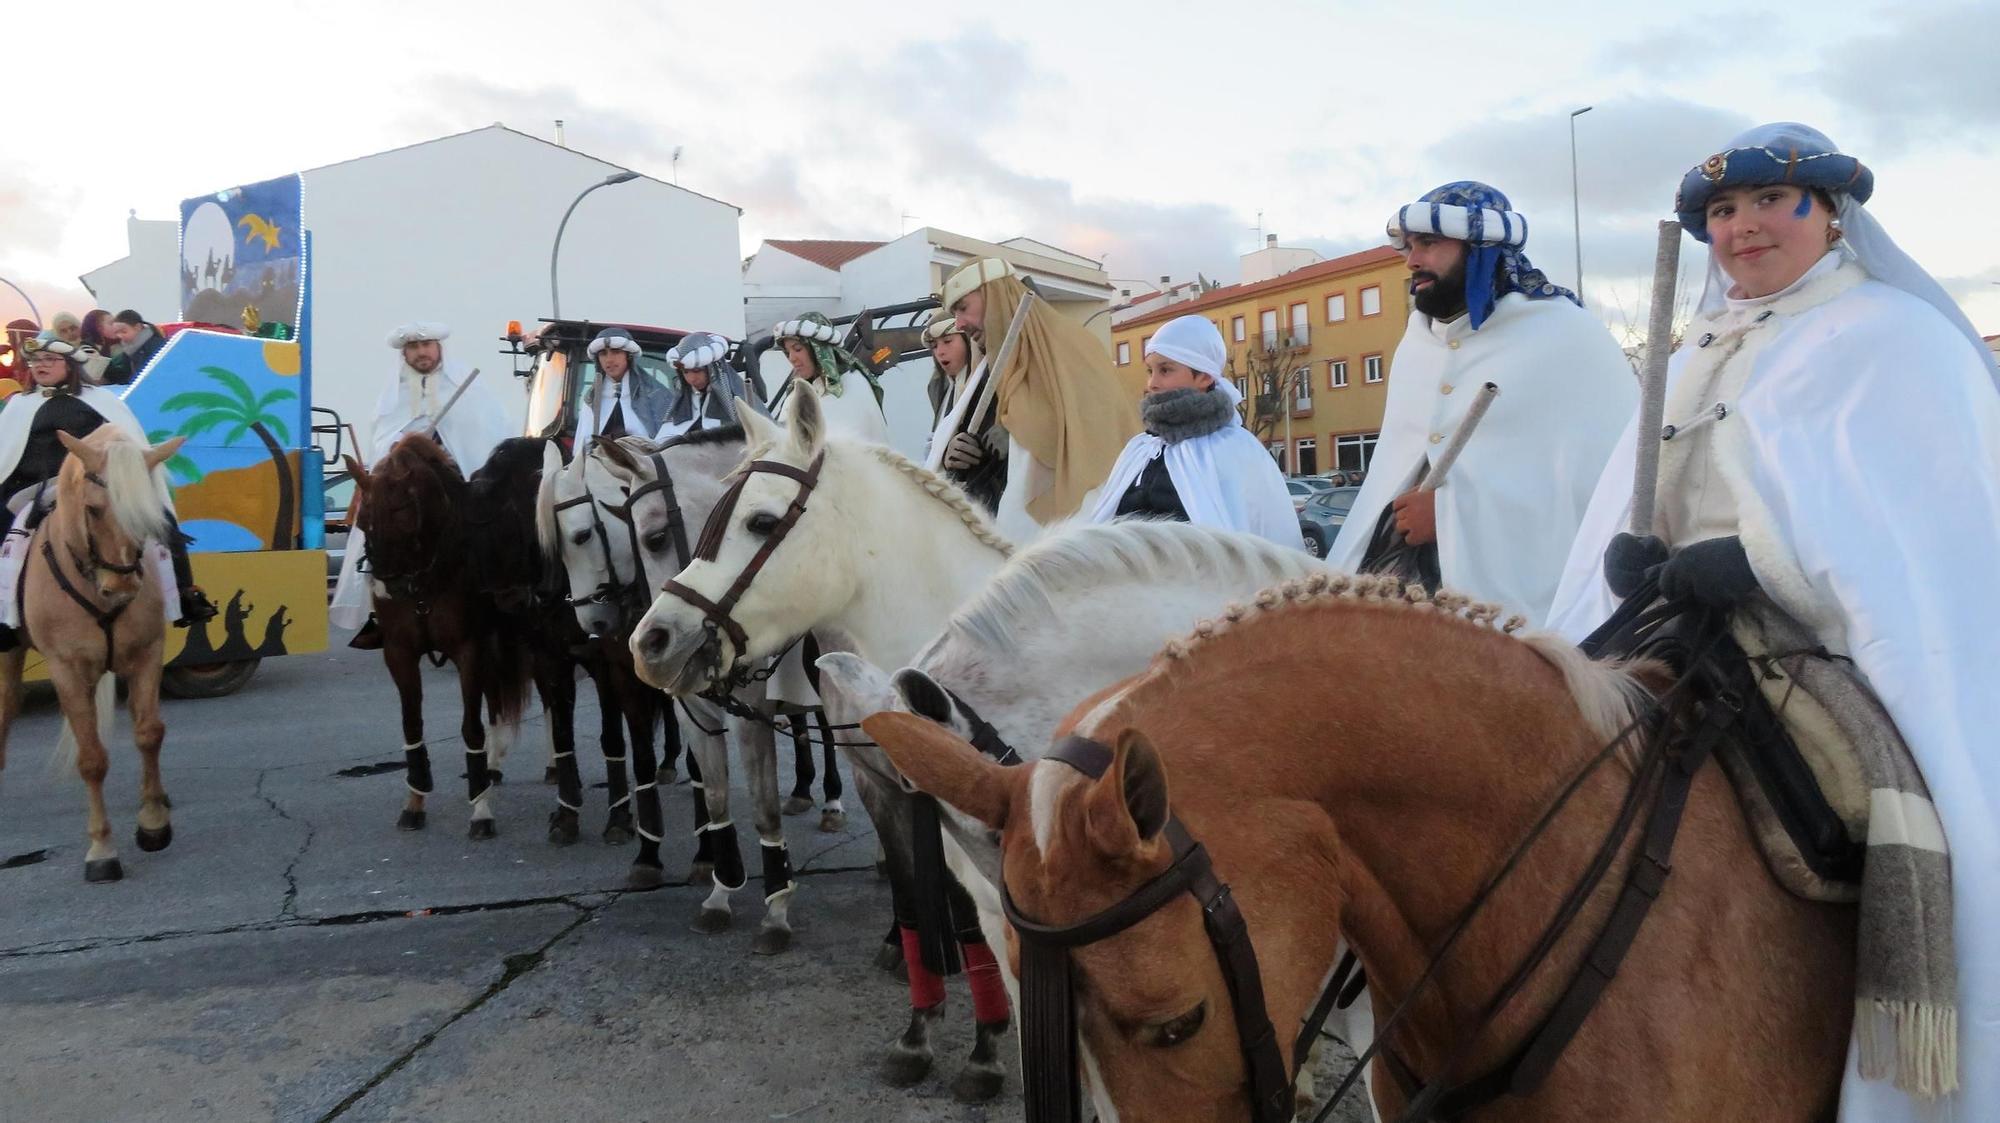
(1310, 350)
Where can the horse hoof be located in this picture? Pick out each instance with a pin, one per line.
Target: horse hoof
(618, 827)
(483, 829)
(644, 877)
(103, 869)
(493, 775)
(771, 941)
(881, 870)
(410, 821)
(976, 1084)
(563, 827)
(152, 842)
(798, 805)
(667, 776)
(902, 1069)
(701, 873)
(711, 922)
(832, 822)
(888, 957)
(549, 774)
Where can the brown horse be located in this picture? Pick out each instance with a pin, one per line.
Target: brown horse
(410, 510)
(1373, 806)
(91, 605)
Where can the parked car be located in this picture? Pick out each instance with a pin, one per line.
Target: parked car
(1321, 517)
(1304, 488)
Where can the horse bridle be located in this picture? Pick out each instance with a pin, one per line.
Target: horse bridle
(105, 619)
(1048, 994)
(627, 595)
(716, 613)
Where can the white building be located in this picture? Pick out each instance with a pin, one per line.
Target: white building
(459, 230)
(1274, 260)
(790, 277)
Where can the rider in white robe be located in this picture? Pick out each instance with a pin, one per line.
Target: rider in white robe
(704, 395)
(426, 380)
(1853, 475)
(1502, 521)
(1214, 471)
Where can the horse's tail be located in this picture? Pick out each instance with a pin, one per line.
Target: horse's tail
(508, 672)
(106, 700)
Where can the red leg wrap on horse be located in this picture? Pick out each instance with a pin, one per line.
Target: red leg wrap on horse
(926, 988)
(989, 993)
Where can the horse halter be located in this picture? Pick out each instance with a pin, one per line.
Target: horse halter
(1048, 984)
(717, 612)
(90, 564)
(627, 595)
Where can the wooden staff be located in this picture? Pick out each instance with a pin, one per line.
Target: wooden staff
(1481, 402)
(455, 395)
(998, 363)
(1653, 377)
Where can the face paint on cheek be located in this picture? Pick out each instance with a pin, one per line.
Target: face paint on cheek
(1805, 205)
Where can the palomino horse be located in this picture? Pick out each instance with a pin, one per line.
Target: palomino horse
(873, 555)
(1375, 807)
(91, 605)
(411, 509)
(619, 515)
(527, 592)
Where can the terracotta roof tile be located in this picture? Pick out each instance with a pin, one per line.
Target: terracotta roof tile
(830, 253)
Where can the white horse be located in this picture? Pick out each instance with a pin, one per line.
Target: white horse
(587, 512)
(1078, 611)
(879, 555)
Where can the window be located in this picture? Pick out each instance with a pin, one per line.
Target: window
(1371, 300)
(1267, 323)
(1353, 452)
(1371, 368)
(1143, 340)
(1336, 308)
(1278, 454)
(1336, 374)
(1242, 386)
(1302, 390)
(1236, 329)
(1300, 331)
(1308, 456)
(1124, 353)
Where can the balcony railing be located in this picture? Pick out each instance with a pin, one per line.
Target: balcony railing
(1296, 337)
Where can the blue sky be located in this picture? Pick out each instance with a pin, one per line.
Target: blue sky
(1150, 135)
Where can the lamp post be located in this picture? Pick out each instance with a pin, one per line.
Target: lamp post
(1575, 206)
(555, 301)
(32, 310)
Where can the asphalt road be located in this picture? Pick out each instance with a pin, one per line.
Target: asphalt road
(293, 956)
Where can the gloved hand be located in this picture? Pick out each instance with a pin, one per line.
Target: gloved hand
(1715, 572)
(964, 453)
(1629, 558)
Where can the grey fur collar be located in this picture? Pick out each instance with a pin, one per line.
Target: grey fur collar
(1178, 415)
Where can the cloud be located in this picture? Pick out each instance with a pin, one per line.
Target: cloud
(32, 215)
(1928, 74)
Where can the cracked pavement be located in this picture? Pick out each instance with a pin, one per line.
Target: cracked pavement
(293, 956)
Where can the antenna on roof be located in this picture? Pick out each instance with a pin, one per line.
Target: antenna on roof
(905, 228)
(559, 135)
(677, 165)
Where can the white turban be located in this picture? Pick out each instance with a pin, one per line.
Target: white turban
(971, 276)
(1192, 342)
(417, 331)
(698, 349)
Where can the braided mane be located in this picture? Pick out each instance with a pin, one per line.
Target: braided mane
(947, 493)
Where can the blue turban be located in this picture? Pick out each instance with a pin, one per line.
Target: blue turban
(1782, 153)
(1481, 217)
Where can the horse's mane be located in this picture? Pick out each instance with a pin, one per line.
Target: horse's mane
(1607, 694)
(933, 485)
(134, 502)
(424, 451)
(1081, 557)
(723, 435)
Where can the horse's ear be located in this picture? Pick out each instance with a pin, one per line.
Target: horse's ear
(806, 419)
(74, 444)
(620, 457)
(939, 762)
(164, 451)
(1128, 805)
(357, 473)
(923, 696)
(758, 430)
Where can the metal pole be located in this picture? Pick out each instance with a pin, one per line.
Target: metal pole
(555, 301)
(32, 310)
(1575, 203)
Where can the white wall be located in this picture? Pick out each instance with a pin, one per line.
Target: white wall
(894, 274)
(459, 230)
(147, 280)
(778, 285)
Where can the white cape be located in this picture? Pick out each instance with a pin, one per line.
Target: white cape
(1510, 508)
(1863, 457)
(1226, 480)
(470, 431)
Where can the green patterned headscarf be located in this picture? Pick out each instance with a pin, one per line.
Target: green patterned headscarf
(832, 363)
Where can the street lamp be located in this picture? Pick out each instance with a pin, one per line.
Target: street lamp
(1575, 208)
(555, 301)
(32, 310)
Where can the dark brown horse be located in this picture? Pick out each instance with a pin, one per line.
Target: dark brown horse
(529, 594)
(412, 513)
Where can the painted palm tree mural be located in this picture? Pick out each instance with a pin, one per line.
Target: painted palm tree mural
(239, 407)
(180, 467)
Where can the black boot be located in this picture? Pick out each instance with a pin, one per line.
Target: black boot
(196, 608)
(9, 638)
(369, 638)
